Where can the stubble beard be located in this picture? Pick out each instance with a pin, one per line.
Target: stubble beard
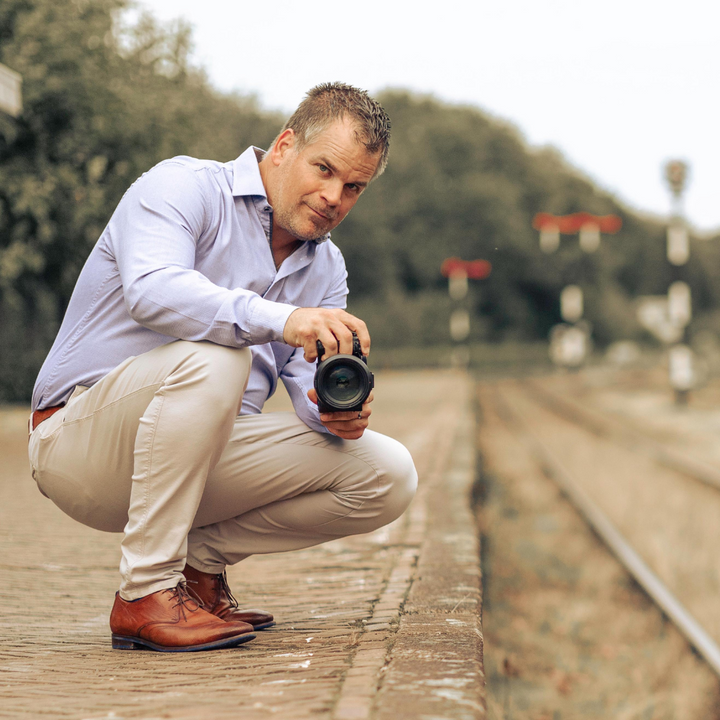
(289, 220)
(289, 216)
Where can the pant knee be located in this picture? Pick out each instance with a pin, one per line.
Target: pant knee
(222, 371)
(403, 480)
(397, 479)
(220, 361)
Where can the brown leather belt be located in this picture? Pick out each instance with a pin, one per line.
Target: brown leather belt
(40, 415)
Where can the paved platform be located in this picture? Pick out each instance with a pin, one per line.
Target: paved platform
(380, 626)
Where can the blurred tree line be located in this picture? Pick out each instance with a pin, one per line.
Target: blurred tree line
(104, 101)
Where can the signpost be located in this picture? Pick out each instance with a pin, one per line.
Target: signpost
(576, 222)
(681, 363)
(458, 272)
(570, 342)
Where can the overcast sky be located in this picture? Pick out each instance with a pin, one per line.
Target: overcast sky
(619, 86)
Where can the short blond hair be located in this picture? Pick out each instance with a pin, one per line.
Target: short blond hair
(328, 102)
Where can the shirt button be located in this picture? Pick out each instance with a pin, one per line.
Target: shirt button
(267, 208)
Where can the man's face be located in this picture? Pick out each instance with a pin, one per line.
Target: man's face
(316, 187)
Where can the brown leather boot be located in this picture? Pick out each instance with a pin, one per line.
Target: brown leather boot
(172, 621)
(216, 598)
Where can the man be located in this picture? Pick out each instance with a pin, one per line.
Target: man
(210, 282)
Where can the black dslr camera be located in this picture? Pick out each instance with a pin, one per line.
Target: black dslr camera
(342, 382)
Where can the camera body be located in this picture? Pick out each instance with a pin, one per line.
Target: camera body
(342, 382)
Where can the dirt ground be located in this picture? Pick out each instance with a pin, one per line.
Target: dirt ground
(568, 634)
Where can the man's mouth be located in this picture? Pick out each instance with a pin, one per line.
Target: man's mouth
(327, 218)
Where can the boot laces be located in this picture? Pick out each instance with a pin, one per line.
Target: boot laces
(183, 597)
(225, 587)
(192, 592)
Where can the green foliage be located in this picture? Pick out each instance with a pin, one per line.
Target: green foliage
(461, 183)
(103, 102)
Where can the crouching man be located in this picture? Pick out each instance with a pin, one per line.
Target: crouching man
(210, 282)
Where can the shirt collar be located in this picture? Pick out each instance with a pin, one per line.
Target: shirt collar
(247, 179)
(246, 174)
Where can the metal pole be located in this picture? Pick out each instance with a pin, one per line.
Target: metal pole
(680, 356)
(459, 318)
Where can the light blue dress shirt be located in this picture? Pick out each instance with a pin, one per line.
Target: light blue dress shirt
(187, 255)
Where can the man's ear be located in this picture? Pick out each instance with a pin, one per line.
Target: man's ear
(283, 145)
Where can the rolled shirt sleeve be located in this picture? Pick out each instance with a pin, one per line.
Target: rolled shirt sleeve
(158, 225)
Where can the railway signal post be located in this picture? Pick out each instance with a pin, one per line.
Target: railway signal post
(458, 272)
(681, 364)
(570, 340)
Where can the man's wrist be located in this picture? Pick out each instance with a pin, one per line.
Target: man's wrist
(269, 319)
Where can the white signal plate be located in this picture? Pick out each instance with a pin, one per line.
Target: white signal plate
(10, 91)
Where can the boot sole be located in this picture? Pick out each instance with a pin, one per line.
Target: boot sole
(264, 626)
(120, 642)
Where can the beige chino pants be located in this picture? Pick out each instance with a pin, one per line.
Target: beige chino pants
(156, 449)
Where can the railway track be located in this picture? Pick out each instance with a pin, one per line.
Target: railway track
(655, 506)
(624, 434)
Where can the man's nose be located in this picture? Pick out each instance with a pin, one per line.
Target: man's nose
(332, 193)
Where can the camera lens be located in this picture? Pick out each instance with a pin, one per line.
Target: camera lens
(342, 382)
(344, 385)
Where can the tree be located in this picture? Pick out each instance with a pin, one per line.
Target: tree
(102, 104)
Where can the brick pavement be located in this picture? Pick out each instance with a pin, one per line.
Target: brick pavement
(385, 625)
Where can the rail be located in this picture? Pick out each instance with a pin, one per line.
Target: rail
(613, 538)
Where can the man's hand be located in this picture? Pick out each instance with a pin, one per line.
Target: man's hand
(346, 425)
(333, 328)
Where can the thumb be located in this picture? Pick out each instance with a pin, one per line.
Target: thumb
(312, 394)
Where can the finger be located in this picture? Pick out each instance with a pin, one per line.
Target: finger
(329, 341)
(344, 416)
(346, 431)
(344, 337)
(308, 342)
(310, 345)
(360, 328)
(310, 350)
(312, 395)
(346, 425)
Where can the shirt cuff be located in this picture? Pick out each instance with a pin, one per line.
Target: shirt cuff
(268, 320)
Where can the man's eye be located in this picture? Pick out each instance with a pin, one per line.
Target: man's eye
(352, 187)
(324, 168)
